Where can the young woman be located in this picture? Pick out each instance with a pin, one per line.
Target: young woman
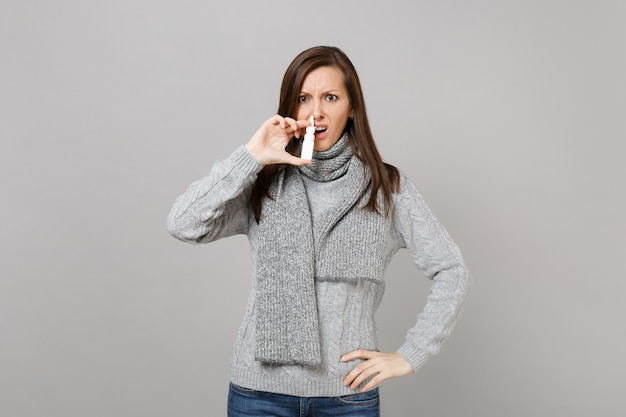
(321, 233)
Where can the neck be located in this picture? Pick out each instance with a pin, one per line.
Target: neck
(329, 164)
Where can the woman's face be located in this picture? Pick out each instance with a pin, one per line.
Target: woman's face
(324, 97)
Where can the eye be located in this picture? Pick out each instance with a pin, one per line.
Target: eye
(303, 99)
(331, 97)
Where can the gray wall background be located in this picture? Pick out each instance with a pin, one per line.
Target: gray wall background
(509, 115)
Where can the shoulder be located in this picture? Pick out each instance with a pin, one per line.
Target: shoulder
(406, 187)
(408, 201)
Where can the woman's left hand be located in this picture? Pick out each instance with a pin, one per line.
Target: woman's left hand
(377, 364)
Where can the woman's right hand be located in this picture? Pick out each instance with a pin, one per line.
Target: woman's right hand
(268, 144)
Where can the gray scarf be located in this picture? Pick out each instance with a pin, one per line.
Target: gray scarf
(289, 260)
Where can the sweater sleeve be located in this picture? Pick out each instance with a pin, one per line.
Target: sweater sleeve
(438, 257)
(216, 206)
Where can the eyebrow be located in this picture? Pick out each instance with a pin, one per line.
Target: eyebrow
(325, 92)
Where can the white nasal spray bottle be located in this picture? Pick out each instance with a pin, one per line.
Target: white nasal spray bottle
(309, 138)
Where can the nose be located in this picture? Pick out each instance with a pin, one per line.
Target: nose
(318, 111)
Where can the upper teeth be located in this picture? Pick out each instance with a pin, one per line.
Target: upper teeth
(319, 129)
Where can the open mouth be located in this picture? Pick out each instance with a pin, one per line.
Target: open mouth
(320, 129)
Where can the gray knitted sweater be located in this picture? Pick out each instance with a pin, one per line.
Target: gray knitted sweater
(218, 206)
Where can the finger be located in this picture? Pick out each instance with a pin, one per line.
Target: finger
(358, 354)
(291, 125)
(376, 374)
(373, 383)
(303, 123)
(276, 119)
(363, 376)
(300, 128)
(358, 381)
(294, 160)
(297, 126)
(355, 377)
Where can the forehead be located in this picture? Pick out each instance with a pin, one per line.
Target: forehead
(324, 78)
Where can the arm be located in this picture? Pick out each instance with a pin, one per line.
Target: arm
(217, 205)
(433, 252)
(436, 255)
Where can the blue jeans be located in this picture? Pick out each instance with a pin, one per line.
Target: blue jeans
(243, 402)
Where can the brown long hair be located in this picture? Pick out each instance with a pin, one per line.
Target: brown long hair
(385, 177)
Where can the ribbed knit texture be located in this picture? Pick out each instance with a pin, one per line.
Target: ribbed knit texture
(287, 329)
(286, 326)
(218, 206)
